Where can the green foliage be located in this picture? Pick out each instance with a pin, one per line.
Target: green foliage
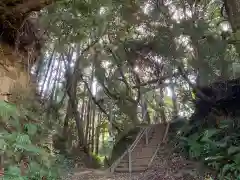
(218, 148)
(96, 161)
(18, 140)
(122, 45)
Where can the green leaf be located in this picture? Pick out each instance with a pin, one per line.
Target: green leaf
(23, 139)
(8, 110)
(214, 158)
(236, 159)
(100, 73)
(208, 134)
(3, 144)
(233, 150)
(14, 171)
(31, 129)
(226, 168)
(168, 101)
(193, 95)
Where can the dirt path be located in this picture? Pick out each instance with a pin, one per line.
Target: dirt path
(167, 166)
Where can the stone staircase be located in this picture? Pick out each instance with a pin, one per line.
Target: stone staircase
(142, 152)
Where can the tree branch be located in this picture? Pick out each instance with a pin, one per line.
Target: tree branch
(28, 6)
(154, 81)
(98, 105)
(194, 87)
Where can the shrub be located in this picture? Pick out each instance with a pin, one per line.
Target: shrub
(22, 145)
(217, 148)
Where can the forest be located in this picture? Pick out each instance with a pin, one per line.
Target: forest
(86, 84)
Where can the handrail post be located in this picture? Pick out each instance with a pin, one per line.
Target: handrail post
(129, 151)
(146, 137)
(129, 161)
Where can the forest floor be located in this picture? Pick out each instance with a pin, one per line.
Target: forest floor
(167, 166)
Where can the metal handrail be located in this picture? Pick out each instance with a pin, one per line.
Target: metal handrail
(155, 154)
(138, 138)
(157, 149)
(115, 164)
(132, 147)
(144, 131)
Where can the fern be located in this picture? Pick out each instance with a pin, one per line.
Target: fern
(218, 151)
(31, 129)
(20, 139)
(8, 110)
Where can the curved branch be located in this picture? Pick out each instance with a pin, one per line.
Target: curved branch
(28, 6)
(98, 104)
(154, 81)
(194, 87)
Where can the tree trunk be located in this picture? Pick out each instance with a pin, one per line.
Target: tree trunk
(87, 120)
(145, 113)
(174, 99)
(88, 115)
(72, 79)
(93, 128)
(83, 108)
(162, 108)
(50, 64)
(66, 120)
(232, 8)
(39, 68)
(97, 133)
(233, 11)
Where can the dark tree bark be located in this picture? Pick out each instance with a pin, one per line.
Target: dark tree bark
(174, 99)
(161, 104)
(66, 120)
(93, 128)
(232, 8)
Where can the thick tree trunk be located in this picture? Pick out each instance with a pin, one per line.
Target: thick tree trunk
(233, 11)
(174, 99)
(49, 67)
(145, 113)
(71, 91)
(66, 120)
(88, 120)
(161, 104)
(27, 6)
(93, 128)
(232, 8)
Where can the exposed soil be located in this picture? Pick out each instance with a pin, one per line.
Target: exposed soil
(167, 166)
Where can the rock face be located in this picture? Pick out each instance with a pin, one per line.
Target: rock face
(13, 73)
(20, 43)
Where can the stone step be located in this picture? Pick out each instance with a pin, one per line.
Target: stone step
(142, 153)
(137, 162)
(142, 156)
(146, 149)
(153, 139)
(150, 145)
(134, 169)
(138, 159)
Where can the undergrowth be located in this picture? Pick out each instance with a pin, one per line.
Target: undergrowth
(25, 141)
(218, 148)
(23, 153)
